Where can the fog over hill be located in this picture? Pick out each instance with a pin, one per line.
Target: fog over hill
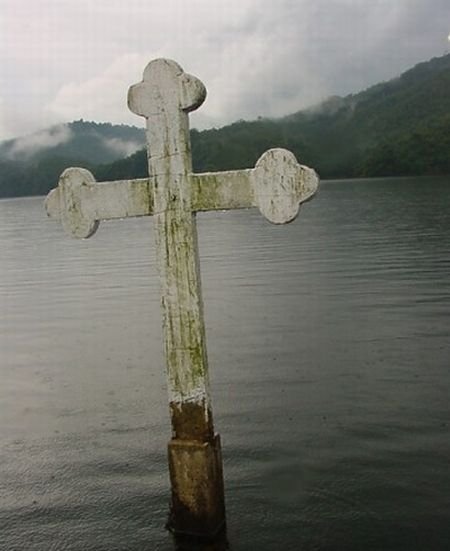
(94, 142)
(400, 127)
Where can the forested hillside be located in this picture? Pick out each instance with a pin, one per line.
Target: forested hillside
(31, 165)
(400, 127)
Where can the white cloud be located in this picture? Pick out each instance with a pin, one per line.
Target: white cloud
(31, 144)
(75, 59)
(123, 147)
(103, 97)
(3, 126)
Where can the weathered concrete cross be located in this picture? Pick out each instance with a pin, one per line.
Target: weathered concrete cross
(173, 194)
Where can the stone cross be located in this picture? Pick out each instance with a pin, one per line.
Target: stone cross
(173, 194)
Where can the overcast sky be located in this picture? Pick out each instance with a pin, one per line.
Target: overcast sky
(69, 59)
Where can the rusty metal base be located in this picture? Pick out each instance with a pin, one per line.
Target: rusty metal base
(198, 504)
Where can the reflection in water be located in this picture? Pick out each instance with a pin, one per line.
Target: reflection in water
(189, 544)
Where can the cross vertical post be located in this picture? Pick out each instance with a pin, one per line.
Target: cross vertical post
(164, 98)
(173, 194)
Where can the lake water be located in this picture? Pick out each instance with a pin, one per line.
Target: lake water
(329, 349)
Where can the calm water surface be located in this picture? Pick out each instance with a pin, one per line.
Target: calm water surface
(329, 348)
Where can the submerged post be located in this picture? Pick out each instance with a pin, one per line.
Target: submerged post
(173, 194)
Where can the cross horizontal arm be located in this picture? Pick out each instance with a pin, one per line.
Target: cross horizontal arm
(118, 199)
(80, 202)
(222, 190)
(277, 186)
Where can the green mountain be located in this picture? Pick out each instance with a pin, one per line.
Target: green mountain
(31, 165)
(400, 127)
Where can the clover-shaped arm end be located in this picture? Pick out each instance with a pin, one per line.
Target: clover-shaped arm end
(165, 88)
(280, 184)
(52, 204)
(65, 203)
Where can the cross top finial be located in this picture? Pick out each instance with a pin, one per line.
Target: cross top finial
(165, 86)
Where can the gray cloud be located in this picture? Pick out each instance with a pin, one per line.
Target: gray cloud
(76, 59)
